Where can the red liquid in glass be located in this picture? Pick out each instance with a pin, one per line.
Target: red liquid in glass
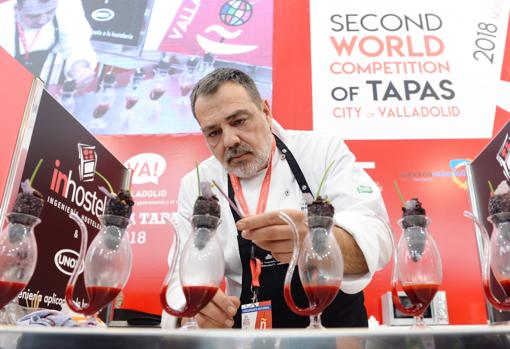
(131, 102)
(197, 297)
(500, 304)
(421, 293)
(506, 286)
(319, 297)
(99, 296)
(156, 93)
(9, 290)
(100, 110)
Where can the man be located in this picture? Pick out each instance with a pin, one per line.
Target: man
(240, 131)
(34, 29)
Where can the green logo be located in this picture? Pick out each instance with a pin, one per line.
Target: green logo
(364, 189)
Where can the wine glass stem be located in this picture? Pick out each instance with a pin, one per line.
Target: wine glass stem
(191, 323)
(419, 321)
(315, 321)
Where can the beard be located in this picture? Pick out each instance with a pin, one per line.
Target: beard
(248, 168)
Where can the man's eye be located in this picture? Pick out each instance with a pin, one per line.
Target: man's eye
(238, 122)
(213, 134)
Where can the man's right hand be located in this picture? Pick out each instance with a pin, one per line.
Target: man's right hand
(219, 312)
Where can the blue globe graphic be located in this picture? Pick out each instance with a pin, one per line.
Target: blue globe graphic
(236, 12)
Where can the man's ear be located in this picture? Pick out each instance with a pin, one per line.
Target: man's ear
(267, 110)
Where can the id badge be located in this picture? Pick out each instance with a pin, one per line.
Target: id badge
(256, 316)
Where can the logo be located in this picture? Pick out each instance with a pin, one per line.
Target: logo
(459, 172)
(103, 15)
(503, 157)
(233, 13)
(364, 189)
(64, 185)
(65, 260)
(88, 162)
(236, 12)
(146, 167)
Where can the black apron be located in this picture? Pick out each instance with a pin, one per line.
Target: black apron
(36, 59)
(347, 310)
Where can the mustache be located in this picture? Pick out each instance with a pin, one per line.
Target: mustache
(236, 151)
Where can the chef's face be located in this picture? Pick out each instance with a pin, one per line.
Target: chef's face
(236, 128)
(36, 13)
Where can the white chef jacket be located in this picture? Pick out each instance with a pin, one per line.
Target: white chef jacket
(357, 200)
(74, 34)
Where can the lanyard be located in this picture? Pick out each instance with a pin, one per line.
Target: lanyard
(26, 47)
(264, 189)
(255, 263)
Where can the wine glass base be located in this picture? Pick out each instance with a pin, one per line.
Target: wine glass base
(190, 324)
(188, 327)
(419, 323)
(315, 327)
(420, 327)
(315, 323)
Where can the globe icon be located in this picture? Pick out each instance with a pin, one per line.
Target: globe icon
(236, 12)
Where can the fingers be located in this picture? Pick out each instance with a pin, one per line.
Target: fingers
(284, 246)
(270, 233)
(213, 317)
(268, 219)
(236, 301)
(219, 312)
(225, 303)
(259, 221)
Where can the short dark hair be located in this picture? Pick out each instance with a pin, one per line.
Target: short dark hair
(210, 83)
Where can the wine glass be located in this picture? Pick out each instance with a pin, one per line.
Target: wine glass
(187, 80)
(67, 95)
(496, 257)
(320, 267)
(104, 100)
(18, 255)
(159, 86)
(201, 267)
(106, 264)
(417, 266)
(132, 95)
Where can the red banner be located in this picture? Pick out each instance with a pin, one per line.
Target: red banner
(14, 98)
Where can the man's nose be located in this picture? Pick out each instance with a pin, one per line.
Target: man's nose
(230, 137)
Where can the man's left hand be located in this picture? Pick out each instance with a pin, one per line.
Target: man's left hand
(270, 232)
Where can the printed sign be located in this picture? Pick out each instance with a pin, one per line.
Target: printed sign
(398, 70)
(116, 21)
(74, 165)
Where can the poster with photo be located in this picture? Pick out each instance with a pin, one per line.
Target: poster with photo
(128, 68)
